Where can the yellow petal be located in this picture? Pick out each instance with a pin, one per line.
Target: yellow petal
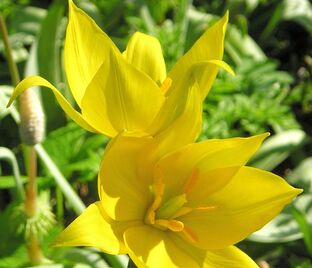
(86, 47)
(185, 128)
(177, 102)
(144, 52)
(149, 247)
(224, 154)
(249, 201)
(32, 81)
(125, 176)
(227, 257)
(121, 98)
(93, 228)
(209, 46)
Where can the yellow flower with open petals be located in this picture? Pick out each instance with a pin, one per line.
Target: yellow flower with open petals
(130, 92)
(183, 209)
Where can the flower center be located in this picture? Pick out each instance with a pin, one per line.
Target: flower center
(164, 214)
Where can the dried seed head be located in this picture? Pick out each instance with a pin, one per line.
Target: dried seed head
(32, 127)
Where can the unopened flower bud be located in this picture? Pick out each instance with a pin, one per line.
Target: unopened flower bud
(32, 127)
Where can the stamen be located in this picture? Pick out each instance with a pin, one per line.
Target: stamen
(171, 206)
(181, 212)
(166, 85)
(189, 233)
(190, 183)
(158, 188)
(186, 210)
(205, 208)
(173, 225)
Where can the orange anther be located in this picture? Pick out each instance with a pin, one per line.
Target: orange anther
(190, 183)
(166, 85)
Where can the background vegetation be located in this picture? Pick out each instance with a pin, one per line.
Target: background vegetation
(268, 44)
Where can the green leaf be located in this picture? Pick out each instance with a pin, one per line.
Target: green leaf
(88, 257)
(277, 148)
(299, 11)
(8, 155)
(73, 149)
(7, 182)
(5, 93)
(284, 228)
(27, 20)
(49, 60)
(71, 196)
(301, 176)
(304, 227)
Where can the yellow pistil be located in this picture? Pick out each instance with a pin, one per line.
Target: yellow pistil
(158, 189)
(189, 233)
(164, 215)
(171, 206)
(181, 212)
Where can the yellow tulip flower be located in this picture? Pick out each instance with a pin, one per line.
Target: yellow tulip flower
(130, 92)
(182, 209)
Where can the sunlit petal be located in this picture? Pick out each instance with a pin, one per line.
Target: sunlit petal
(155, 249)
(226, 257)
(121, 98)
(227, 155)
(209, 46)
(93, 228)
(250, 200)
(32, 81)
(177, 103)
(125, 176)
(86, 47)
(185, 129)
(144, 52)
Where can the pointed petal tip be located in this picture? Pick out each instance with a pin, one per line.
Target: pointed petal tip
(262, 136)
(297, 191)
(226, 14)
(225, 19)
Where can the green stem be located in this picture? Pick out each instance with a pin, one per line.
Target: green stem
(8, 52)
(59, 205)
(74, 200)
(7, 155)
(31, 207)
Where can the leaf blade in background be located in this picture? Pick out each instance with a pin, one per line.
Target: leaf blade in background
(49, 61)
(277, 148)
(304, 226)
(7, 154)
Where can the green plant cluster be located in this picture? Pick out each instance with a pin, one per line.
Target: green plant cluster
(269, 46)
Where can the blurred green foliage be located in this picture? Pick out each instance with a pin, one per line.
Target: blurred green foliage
(268, 44)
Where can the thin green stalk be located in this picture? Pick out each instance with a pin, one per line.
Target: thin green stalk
(73, 199)
(60, 180)
(59, 205)
(8, 155)
(8, 52)
(33, 243)
(31, 208)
